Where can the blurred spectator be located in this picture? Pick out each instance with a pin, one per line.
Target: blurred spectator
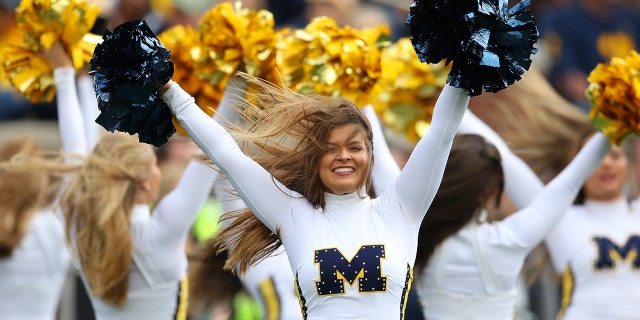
(367, 15)
(397, 12)
(338, 10)
(583, 34)
(128, 10)
(286, 13)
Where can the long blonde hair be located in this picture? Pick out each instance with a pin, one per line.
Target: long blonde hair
(29, 181)
(98, 204)
(286, 133)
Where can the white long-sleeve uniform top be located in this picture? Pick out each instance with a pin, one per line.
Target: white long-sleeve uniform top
(473, 274)
(270, 281)
(584, 244)
(352, 259)
(159, 259)
(596, 247)
(31, 279)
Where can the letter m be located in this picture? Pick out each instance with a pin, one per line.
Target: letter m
(365, 267)
(609, 252)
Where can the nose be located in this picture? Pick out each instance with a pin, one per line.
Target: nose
(607, 161)
(344, 154)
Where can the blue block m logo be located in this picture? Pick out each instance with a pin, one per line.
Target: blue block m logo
(365, 267)
(609, 252)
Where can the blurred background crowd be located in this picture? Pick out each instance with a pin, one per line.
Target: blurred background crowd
(576, 35)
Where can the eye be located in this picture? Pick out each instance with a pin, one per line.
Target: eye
(355, 149)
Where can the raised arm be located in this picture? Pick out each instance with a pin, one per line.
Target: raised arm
(90, 111)
(420, 178)
(68, 107)
(529, 226)
(176, 212)
(263, 195)
(522, 185)
(385, 167)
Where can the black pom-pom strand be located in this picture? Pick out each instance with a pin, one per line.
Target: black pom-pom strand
(129, 67)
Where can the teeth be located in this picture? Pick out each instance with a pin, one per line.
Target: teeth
(343, 170)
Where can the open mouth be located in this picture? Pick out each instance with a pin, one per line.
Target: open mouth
(343, 170)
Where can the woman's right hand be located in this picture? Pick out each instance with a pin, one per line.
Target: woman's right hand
(56, 56)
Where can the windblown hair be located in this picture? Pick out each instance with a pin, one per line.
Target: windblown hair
(539, 125)
(472, 175)
(29, 181)
(209, 283)
(97, 204)
(286, 133)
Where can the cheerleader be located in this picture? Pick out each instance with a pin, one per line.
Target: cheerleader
(318, 203)
(34, 259)
(599, 227)
(469, 261)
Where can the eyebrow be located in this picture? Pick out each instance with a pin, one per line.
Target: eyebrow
(350, 142)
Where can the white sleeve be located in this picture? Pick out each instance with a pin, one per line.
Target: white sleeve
(90, 111)
(560, 241)
(70, 121)
(266, 197)
(226, 112)
(530, 225)
(420, 179)
(521, 183)
(173, 216)
(385, 167)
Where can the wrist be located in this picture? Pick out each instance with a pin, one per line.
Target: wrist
(165, 87)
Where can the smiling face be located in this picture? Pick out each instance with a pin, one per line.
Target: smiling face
(344, 164)
(607, 182)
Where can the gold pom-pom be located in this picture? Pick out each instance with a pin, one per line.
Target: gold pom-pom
(186, 52)
(325, 59)
(47, 21)
(406, 92)
(29, 74)
(614, 93)
(41, 23)
(237, 38)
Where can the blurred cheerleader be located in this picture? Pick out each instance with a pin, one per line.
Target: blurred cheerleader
(34, 259)
(470, 260)
(591, 243)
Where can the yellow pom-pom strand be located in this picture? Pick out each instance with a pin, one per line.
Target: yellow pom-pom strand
(47, 21)
(41, 23)
(326, 59)
(406, 92)
(614, 94)
(186, 52)
(236, 38)
(29, 74)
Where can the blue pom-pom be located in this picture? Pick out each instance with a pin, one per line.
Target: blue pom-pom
(129, 67)
(489, 44)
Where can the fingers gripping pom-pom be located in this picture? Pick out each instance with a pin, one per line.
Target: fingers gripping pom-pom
(490, 45)
(129, 67)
